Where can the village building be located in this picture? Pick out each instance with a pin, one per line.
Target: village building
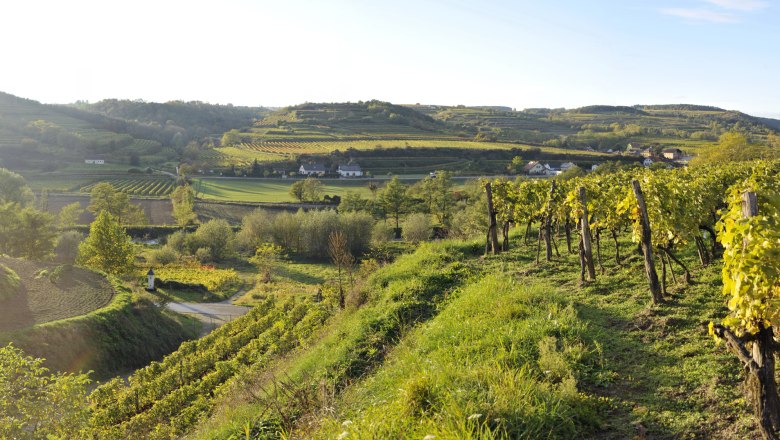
(95, 161)
(634, 149)
(350, 170)
(566, 165)
(534, 168)
(672, 153)
(315, 169)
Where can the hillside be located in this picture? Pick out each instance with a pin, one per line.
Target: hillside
(362, 120)
(122, 133)
(603, 127)
(49, 293)
(194, 120)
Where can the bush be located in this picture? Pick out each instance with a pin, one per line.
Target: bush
(164, 255)
(9, 283)
(203, 255)
(256, 229)
(217, 237)
(417, 228)
(67, 248)
(382, 233)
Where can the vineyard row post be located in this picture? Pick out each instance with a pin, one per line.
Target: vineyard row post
(647, 246)
(492, 236)
(586, 254)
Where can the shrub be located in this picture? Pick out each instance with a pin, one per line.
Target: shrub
(382, 233)
(164, 255)
(217, 237)
(67, 248)
(9, 283)
(203, 255)
(417, 227)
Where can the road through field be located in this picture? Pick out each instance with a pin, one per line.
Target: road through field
(212, 313)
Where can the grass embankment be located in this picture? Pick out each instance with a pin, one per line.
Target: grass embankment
(128, 333)
(456, 346)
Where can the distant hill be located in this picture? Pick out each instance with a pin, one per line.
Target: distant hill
(35, 136)
(361, 120)
(605, 127)
(193, 119)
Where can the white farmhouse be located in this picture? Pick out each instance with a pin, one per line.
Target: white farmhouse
(534, 167)
(315, 169)
(350, 170)
(95, 161)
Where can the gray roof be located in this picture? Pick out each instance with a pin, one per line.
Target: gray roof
(314, 167)
(350, 167)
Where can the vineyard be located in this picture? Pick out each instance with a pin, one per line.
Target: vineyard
(138, 186)
(165, 399)
(730, 209)
(215, 280)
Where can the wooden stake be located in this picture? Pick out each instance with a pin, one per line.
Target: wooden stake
(587, 249)
(647, 248)
(493, 229)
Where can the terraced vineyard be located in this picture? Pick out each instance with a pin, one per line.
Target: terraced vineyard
(272, 151)
(157, 186)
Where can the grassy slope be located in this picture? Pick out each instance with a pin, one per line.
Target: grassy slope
(518, 351)
(128, 333)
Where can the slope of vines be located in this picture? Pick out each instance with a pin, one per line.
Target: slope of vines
(165, 399)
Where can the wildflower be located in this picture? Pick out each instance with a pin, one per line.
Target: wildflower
(475, 416)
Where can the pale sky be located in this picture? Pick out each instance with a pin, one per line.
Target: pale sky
(514, 53)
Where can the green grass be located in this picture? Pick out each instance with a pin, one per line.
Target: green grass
(269, 190)
(456, 346)
(290, 278)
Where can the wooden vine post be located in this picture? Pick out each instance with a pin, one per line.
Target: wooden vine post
(547, 225)
(647, 245)
(760, 360)
(586, 253)
(492, 236)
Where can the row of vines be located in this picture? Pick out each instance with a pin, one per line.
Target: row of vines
(139, 186)
(729, 211)
(165, 399)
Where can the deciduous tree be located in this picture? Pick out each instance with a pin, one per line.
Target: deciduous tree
(108, 247)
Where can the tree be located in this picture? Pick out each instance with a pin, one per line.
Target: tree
(14, 189)
(394, 199)
(35, 404)
(103, 197)
(417, 228)
(108, 247)
(297, 190)
(516, 166)
(312, 189)
(183, 200)
(217, 237)
(68, 246)
(25, 232)
(230, 138)
(734, 146)
(69, 215)
(441, 198)
(341, 257)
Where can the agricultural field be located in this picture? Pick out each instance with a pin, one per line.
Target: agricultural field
(271, 151)
(269, 190)
(238, 189)
(49, 293)
(157, 186)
